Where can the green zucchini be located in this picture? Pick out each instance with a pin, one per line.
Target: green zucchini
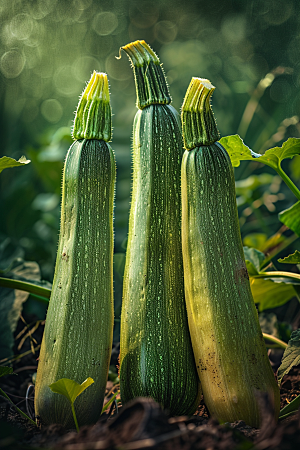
(78, 333)
(228, 345)
(156, 357)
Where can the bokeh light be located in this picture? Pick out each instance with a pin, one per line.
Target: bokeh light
(105, 23)
(12, 63)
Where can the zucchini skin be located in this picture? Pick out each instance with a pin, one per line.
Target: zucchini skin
(78, 333)
(156, 357)
(229, 350)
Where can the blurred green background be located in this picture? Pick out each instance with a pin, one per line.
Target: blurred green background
(48, 49)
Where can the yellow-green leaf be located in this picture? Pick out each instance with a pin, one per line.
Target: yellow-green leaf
(238, 151)
(291, 218)
(6, 162)
(294, 258)
(70, 388)
(269, 294)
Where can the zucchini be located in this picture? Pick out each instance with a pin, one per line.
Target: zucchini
(156, 357)
(228, 345)
(78, 333)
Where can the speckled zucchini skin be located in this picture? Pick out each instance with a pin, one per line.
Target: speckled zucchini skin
(156, 357)
(229, 350)
(78, 333)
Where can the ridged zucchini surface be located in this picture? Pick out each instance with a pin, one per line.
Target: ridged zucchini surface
(156, 356)
(229, 349)
(78, 333)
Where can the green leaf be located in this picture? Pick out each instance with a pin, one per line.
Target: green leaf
(291, 356)
(294, 258)
(254, 260)
(5, 370)
(70, 388)
(6, 162)
(269, 294)
(291, 408)
(238, 151)
(291, 218)
(274, 156)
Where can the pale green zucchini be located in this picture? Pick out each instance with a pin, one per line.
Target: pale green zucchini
(78, 333)
(229, 349)
(156, 357)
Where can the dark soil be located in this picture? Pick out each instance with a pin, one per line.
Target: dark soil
(141, 424)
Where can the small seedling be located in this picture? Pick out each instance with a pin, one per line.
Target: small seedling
(71, 390)
(6, 371)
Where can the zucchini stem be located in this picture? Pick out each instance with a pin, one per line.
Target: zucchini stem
(288, 181)
(198, 122)
(93, 115)
(150, 81)
(277, 274)
(42, 293)
(279, 343)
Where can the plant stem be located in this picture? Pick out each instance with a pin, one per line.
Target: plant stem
(279, 343)
(75, 418)
(288, 181)
(43, 293)
(15, 406)
(109, 402)
(275, 274)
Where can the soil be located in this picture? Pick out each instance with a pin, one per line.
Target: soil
(140, 424)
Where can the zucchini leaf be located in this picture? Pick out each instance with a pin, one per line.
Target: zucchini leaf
(291, 408)
(254, 260)
(270, 294)
(291, 218)
(294, 258)
(291, 356)
(238, 151)
(6, 162)
(267, 292)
